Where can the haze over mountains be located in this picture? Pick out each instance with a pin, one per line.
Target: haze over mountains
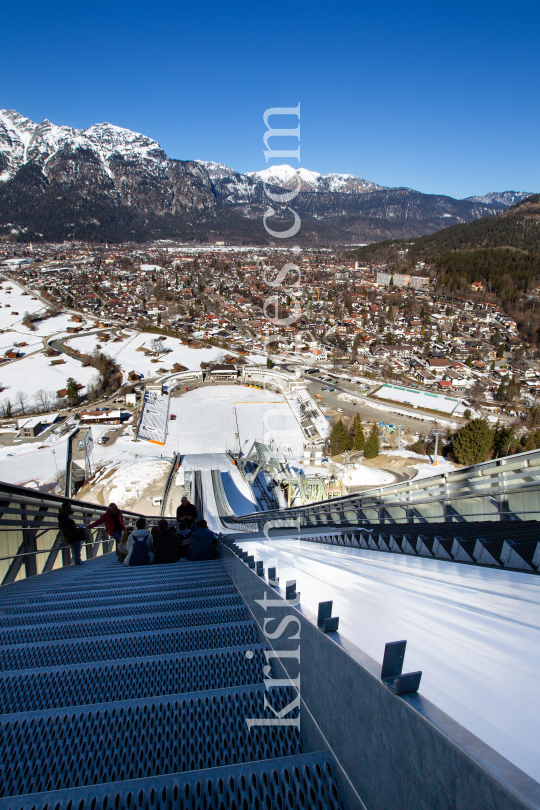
(105, 182)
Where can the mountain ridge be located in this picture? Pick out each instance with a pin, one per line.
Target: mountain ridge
(106, 168)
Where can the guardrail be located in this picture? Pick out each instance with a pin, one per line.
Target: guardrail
(503, 490)
(168, 482)
(30, 539)
(514, 547)
(197, 492)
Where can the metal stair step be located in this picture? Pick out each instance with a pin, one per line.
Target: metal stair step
(65, 748)
(143, 624)
(82, 602)
(290, 783)
(87, 684)
(128, 645)
(142, 608)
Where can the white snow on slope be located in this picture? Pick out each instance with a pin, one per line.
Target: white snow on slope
(364, 476)
(11, 301)
(205, 420)
(474, 633)
(130, 479)
(287, 177)
(129, 359)
(22, 140)
(236, 490)
(34, 372)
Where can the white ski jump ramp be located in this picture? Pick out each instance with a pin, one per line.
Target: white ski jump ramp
(474, 632)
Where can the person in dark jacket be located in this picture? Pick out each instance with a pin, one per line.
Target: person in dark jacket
(203, 543)
(186, 511)
(166, 544)
(113, 520)
(184, 535)
(72, 534)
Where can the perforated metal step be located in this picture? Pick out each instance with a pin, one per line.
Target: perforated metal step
(130, 688)
(122, 588)
(64, 748)
(134, 598)
(291, 783)
(133, 645)
(166, 577)
(143, 624)
(125, 612)
(89, 684)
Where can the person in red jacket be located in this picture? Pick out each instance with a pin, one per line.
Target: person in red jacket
(113, 521)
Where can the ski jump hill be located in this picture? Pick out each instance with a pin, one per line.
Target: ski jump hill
(378, 650)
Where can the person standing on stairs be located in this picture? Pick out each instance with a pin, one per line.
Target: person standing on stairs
(113, 520)
(186, 511)
(72, 534)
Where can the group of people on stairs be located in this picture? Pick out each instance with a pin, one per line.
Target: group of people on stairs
(189, 539)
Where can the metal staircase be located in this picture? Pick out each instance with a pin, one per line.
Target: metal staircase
(130, 688)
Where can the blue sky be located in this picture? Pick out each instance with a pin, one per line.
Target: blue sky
(441, 98)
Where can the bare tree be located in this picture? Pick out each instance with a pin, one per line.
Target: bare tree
(475, 395)
(22, 399)
(42, 400)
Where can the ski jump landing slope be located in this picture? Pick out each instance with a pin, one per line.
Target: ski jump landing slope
(474, 633)
(236, 490)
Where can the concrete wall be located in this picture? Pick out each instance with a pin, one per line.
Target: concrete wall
(393, 753)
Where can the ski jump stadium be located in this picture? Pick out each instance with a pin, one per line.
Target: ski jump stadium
(376, 651)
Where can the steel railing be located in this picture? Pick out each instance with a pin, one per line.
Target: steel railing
(30, 538)
(505, 489)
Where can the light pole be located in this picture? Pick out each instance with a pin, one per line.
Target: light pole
(437, 433)
(55, 464)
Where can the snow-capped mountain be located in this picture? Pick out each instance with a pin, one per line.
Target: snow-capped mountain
(332, 196)
(110, 182)
(127, 166)
(286, 177)
(23, 141)
(506, 198)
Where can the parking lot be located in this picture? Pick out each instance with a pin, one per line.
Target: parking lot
(330, 399)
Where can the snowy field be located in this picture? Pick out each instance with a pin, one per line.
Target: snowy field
(206, 421)
(17, 303)
(51, 326)
(126, 481)
(34, 372)
(474, 633)
(129, 359)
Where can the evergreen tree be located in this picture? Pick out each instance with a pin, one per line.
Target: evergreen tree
(529, 443)
(503, 437)
(357, 433)
(473, 442)
(340, 441)
(372, 445)
(72, 391)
